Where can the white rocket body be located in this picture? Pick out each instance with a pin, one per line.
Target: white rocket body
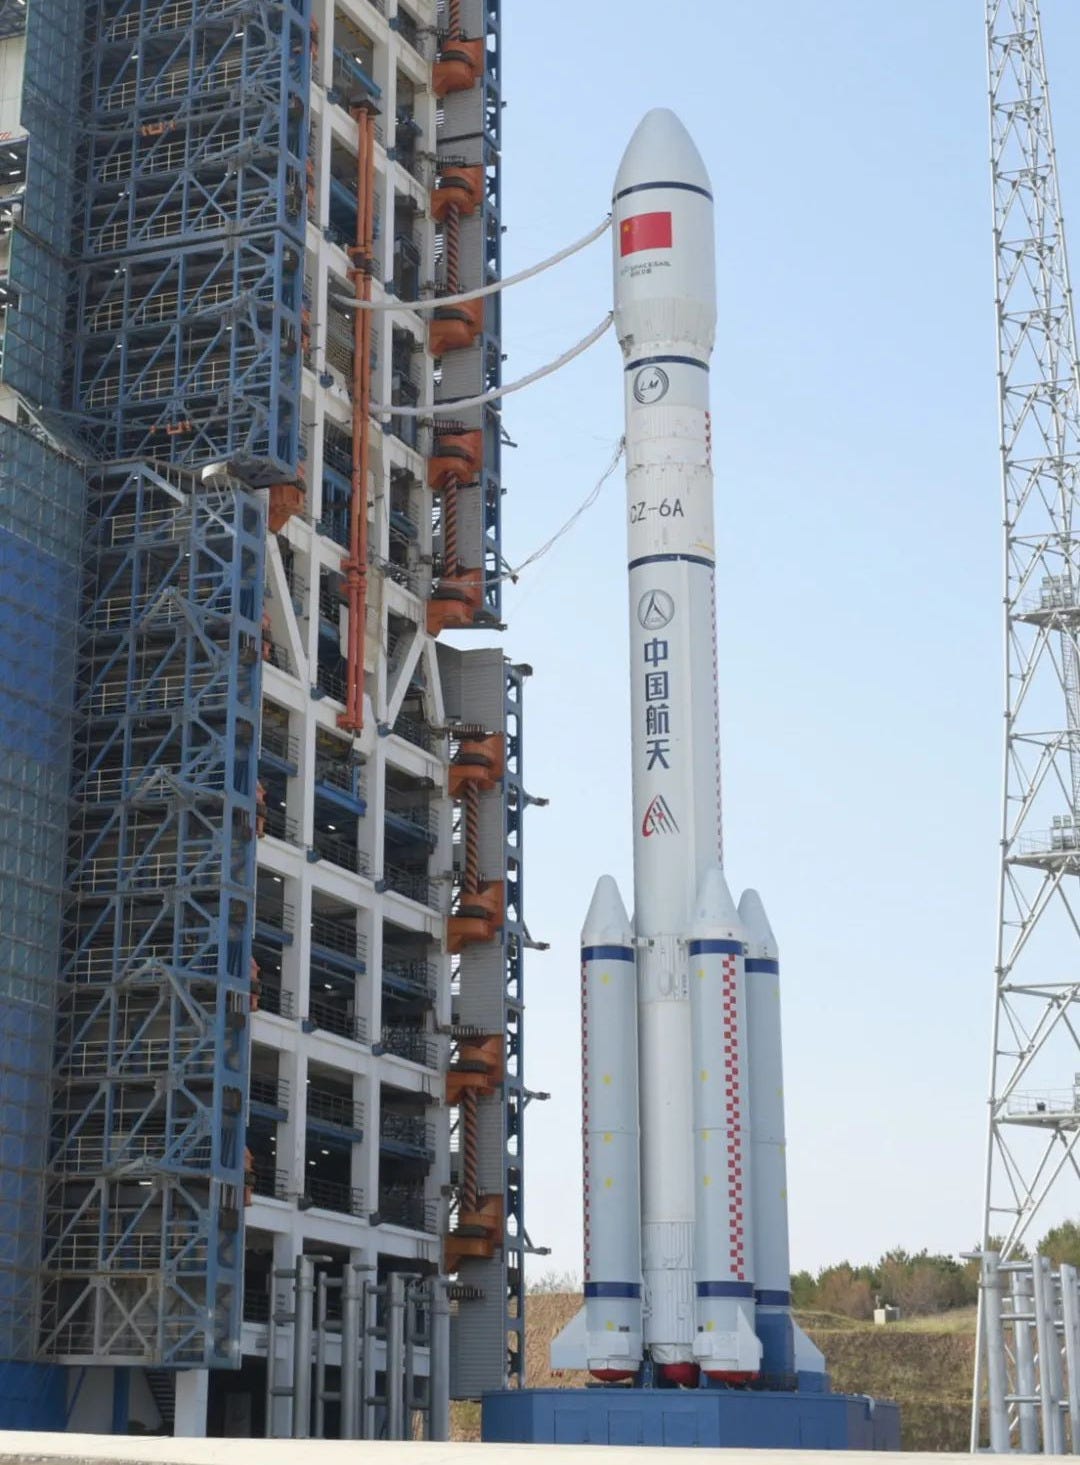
(669, 1276)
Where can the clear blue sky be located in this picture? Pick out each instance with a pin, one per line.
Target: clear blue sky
(855, 441)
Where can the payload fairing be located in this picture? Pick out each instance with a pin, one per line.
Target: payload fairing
(686, 1246)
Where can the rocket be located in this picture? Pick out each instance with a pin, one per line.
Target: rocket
(686, 1245)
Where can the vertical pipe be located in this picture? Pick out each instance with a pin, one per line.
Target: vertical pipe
(320, 1357)
(439, 1382)
(368, 1296)
(409, 1390)
(351, 1295)
(271, 1360)
(1046, 1337)
(1070, 1317)
(990, 1301)
(356, 563)
(395, 1339)
(1024, 1356)
(305, 1294)
(1057, 1380)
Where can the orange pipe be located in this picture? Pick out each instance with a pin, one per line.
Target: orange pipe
(356, 564)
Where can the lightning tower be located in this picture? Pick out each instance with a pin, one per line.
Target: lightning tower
(1034, 1105)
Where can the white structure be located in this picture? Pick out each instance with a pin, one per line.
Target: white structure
(670, 1258)
(1034, 1114)
(1031, 1343)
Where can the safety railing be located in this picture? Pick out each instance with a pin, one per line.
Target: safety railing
(269, 1181)
(280, 825)
(177, 83)
(417, 813)
(411, 1044)
(416, 978)
(338, 935)
(160, 694)
(266, 1088)
(149, 871)
(340, 1110)
(335, 1017)
(348, 776)
(401, 1205)
(330, 1195)
(281, 744)
(408, 1131)
(1053, 1103)
(340, 852)
(413, 884)
(276, 999)
(350, 79)
(95, 1057)
(103, 964)
(416, 732)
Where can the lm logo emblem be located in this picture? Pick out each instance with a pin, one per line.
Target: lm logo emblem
(658, 818)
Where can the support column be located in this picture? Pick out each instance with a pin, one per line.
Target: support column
(192, 1398)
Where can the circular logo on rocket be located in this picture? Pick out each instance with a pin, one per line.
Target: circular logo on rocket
(650, 384)
(655, 609)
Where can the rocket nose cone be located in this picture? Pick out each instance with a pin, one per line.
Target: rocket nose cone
(758, 931)
(661, 151)
(606, 923)
(715, 913)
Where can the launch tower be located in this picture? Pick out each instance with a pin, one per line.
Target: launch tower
(262, 935)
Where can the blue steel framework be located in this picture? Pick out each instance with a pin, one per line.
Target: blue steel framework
(41, 523)
(162, 240)
(143, 1217)
(163, 222)
(41, 513)
(190, 227)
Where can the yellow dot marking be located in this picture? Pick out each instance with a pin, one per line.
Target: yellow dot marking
(704, 1074)
(710, 1326)
(701, 972)
(605, 978)
(607, 1078)
(706, 1180)
(608, 1183)
(609, 1326)
(607, 1139)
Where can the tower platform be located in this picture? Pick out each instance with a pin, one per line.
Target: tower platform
(686, 1417)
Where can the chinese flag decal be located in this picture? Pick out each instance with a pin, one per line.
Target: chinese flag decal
(645, 231)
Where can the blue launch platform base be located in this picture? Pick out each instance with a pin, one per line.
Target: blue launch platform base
(710, 1417)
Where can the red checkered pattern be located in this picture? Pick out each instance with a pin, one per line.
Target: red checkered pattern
(716, 735)
(585, 1106)
(733, 1112)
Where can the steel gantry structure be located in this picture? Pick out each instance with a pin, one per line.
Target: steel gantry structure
(261, 925)
(1034, 1104)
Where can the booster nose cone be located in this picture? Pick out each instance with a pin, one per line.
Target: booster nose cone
(606, 922)
(715, 914)
(759, 934)
(661, 152)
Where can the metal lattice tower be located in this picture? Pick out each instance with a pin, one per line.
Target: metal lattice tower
(1034, 1109)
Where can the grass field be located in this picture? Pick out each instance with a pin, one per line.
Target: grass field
(925, 1364)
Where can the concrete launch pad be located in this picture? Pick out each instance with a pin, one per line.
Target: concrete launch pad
(715, 1418)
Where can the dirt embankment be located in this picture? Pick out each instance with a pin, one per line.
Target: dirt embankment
(925, 1364)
